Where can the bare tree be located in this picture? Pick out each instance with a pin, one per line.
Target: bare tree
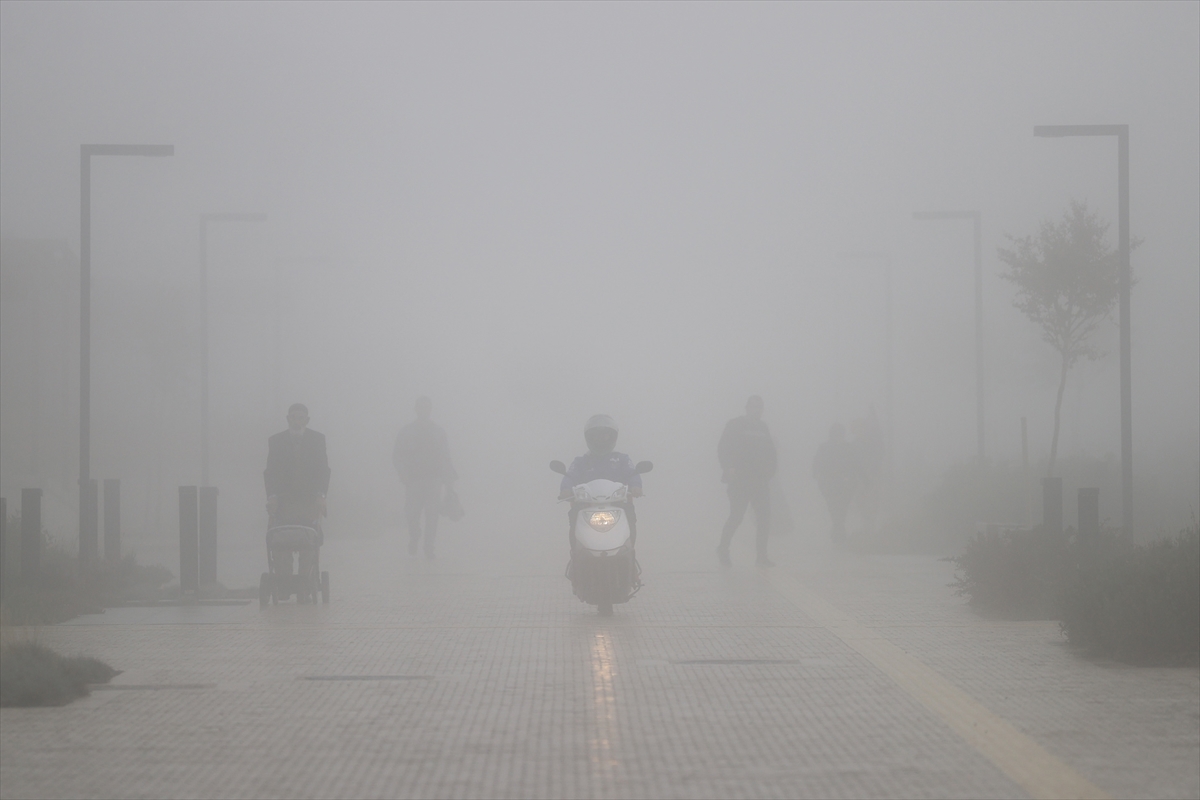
(1067, 282)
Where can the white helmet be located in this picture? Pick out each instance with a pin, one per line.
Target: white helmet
(600, 433)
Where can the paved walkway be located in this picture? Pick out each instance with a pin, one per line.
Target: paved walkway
(833, 675)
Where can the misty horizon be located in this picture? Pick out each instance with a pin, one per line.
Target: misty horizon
(535, 213)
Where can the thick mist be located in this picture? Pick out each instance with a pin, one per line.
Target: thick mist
(534, 213)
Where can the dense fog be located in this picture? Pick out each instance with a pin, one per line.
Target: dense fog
(532, 213)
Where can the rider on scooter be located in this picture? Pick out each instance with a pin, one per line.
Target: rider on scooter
(601, 461)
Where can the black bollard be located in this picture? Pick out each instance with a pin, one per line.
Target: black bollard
(208, 535)
(112, 520)
(1089, 516)
(189, 578)
(3, 544)
(31, 534)
(1052, 505)
(89, 537)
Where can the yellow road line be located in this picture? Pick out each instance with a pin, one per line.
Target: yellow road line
(1018, 756)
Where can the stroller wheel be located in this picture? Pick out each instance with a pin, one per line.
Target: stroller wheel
(264, 590)
(325, 588)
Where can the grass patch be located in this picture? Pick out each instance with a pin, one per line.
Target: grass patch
(32, 674)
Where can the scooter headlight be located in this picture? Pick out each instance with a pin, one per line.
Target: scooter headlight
(602, 520)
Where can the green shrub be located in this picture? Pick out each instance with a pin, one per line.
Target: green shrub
(1015, 574)
(1137, 604)
(34, 675)
(62, 591)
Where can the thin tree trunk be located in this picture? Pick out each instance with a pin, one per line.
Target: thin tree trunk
(1062, 384)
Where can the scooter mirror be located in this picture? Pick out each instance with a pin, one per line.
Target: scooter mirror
(559, 467)
(644, 466)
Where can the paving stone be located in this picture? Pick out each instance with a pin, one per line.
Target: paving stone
(462, 679)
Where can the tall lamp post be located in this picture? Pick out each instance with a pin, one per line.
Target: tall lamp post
(204, 220)
(885, 259)
(974, 217)
(88, 535)
(1122, 134)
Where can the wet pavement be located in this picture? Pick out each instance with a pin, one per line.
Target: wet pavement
(832, 675)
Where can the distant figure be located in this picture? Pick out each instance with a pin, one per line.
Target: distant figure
(869, 453)
(297, 477)
(422, 457)
(836, 471)
(748, 462)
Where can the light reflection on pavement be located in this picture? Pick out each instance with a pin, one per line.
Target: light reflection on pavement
(708, 684)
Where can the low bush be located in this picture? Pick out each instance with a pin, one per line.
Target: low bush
(62, 591)
(1015, 574)
(1137, 604)
(34, 675)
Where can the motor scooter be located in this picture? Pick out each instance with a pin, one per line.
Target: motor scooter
(603, 569)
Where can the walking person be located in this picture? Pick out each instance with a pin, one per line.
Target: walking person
(422, 458)
(748, 461)
(836, 469)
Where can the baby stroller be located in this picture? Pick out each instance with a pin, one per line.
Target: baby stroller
(279, 583)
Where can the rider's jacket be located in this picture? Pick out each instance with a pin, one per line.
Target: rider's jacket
(611, 466)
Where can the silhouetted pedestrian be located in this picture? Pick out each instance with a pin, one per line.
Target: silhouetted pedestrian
(297, 478)
(422, 457)
(748, 460)
(836, 470)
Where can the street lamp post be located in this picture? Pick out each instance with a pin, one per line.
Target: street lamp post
(886, 260)
(979, 383)
(204, 220)
(88, 535)
(1122, 134)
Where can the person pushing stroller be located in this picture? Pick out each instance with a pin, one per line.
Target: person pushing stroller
(297, 480)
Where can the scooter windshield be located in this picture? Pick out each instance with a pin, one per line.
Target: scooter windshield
(601, 491)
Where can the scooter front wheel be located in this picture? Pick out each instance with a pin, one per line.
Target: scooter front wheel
(605, 609)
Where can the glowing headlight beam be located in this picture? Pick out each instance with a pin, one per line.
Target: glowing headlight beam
(602, 520)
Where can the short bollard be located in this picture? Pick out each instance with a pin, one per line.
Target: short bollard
(112, 520)
(1089, 516)
(189, 578)
(3, 544)
(89, 534)
(31, 534)
(1052, 505)
(207, 548)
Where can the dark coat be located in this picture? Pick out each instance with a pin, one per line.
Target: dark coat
(297, 467)
(747, 449)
